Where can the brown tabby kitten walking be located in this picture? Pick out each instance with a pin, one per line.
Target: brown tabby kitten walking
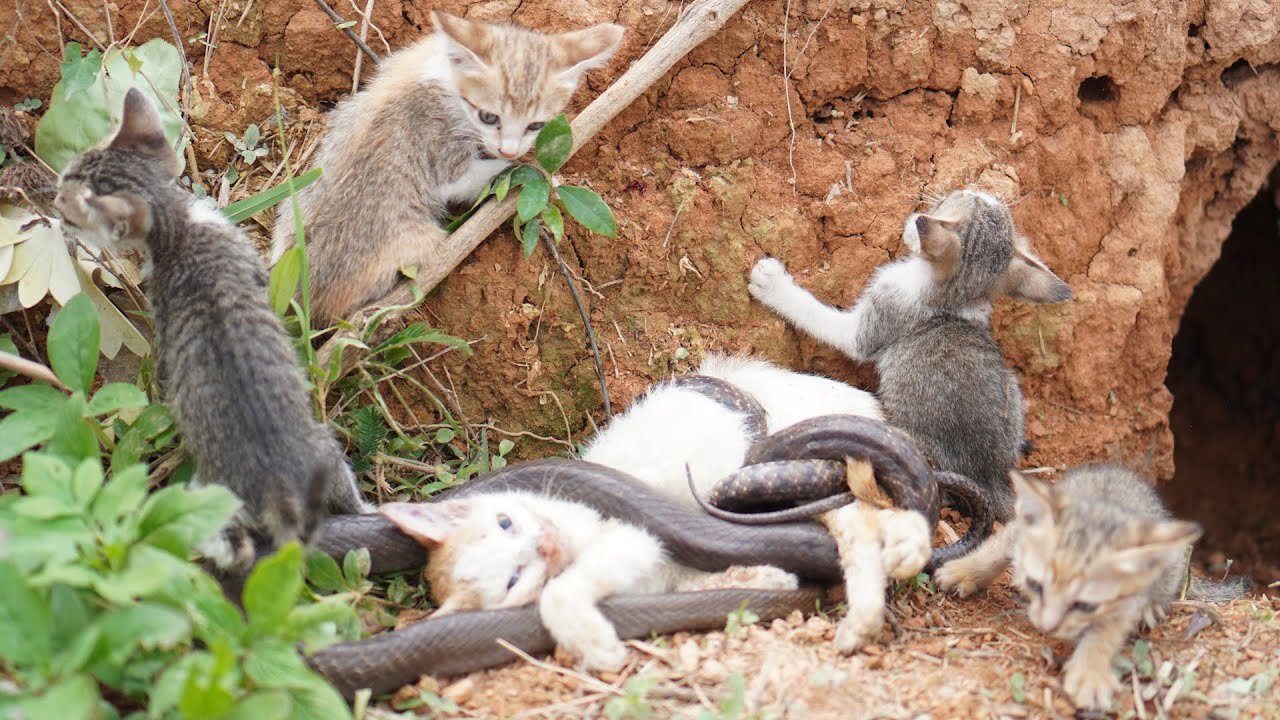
(226, 366)
(441, 118)
(1096, 554)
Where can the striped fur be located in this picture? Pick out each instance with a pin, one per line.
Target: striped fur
(227, 369)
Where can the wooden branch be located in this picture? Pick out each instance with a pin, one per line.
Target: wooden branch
(700, 21)
(31, 369)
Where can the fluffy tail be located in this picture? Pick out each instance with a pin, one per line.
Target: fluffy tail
(1214, 591)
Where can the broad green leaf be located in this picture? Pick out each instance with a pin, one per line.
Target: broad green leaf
(77, 121)
(272, 590)
(246, 208)
(554, 144)
(275, 663)
(318, 701)
(23, 430)
(176, 519)
(356, 566)
(146, 626)
(146, 571)
(207, 694)
(306, 621)
(86, 481)
(76, 698)
(524, 174)
(501, 186)
(36, 397)
(129, 447)
(252, 135)
(43, 507)
(26, 624)
(73, 657)
(284, 279)
(589, 209)
(73, 344)
(505, 446)
(121, 494)
(169, 686)
(116, 396)
(554, 220)
(323, 572)
(261, 705)
(529, 237)
(533, 197)
(44, 474)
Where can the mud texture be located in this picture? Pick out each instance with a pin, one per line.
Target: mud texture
(1127, 136)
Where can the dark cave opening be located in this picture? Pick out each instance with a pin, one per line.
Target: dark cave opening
(1225, 380)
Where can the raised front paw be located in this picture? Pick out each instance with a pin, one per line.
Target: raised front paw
(959, 576)
(767, 278)
(905, 542)
(1089, 685)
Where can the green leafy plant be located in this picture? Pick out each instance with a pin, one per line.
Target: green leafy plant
(28, 105)
(739, 619)
(541, 202)
(247, 145)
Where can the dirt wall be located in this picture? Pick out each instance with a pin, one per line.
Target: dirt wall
(1126, 136)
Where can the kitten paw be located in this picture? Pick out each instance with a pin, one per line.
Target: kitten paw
(602, 656)
(955, 576)
(760, 577)
(1153, 615)
(767, 277)
(905, 541)
(857, 629)
(1089, 687)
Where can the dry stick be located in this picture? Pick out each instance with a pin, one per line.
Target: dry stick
(586, 320)
(337, 20)
(186, 71)
(700, 22)
(31, 369)
(364, 35)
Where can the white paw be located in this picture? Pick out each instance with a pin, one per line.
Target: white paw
(601, 654)
(953, 577)
(1089, 687)
(765, 577)
(857, 629)
(906, 548)
(767, 278)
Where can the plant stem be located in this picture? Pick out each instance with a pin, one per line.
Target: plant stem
(550, 244)
(338, 20)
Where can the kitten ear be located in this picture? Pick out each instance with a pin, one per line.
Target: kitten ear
(574, 53)
(125, 215)
(1153, 544)
(1028, 279)
(428, 523)
(1035, 498)
(141, 131)
(469, 43)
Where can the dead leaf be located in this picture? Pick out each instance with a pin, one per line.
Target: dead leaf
(1199, 621)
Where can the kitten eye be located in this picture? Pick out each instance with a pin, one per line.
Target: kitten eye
(1084, 608)
(1035, 586)
(515, 578)
(504, 522)
(488, 118)
(534, 127)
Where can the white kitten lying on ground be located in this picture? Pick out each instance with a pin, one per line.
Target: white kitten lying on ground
(510, 549)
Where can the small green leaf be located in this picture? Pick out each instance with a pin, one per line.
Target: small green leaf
(284, 279)
(252, 135)
(75, 698)
(78, 73)
(73, 343)
(26, 623)
(533, 197)
(272, 590)
(444, 435)
(176, 519)
(151, 423)
(524, 174)
(529, 237)
(145, 626)
(73, 436)
(323, 572)
(134, 62)
(86, 481)
(554, 220)
(116, 396)
(1017, 687)
(589, 209)
(501, 186)
(123, 493)
(345, 24)
(554, 144)
(21, 431)
(356, 565)
(36, 397)
(261, 704)
(246, 208)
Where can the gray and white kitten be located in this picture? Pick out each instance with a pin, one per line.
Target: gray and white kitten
(925, 321)
(1095, 555)
(227, 369)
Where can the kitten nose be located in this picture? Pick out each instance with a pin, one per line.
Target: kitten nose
(922, 224)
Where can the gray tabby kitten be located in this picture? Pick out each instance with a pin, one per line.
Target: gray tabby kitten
(226, 366)
(925, 320)
(1095, 555)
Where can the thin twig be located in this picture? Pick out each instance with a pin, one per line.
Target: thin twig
(111, 30)
(31, 369)
(186, 69)
(337, 20)
(587, 680)
(364, 36)
(550, 244)
(786, 91)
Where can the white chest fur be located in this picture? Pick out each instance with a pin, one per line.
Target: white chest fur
(467, 186)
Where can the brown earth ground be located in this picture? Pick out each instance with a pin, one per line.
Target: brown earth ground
(1126, 136)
